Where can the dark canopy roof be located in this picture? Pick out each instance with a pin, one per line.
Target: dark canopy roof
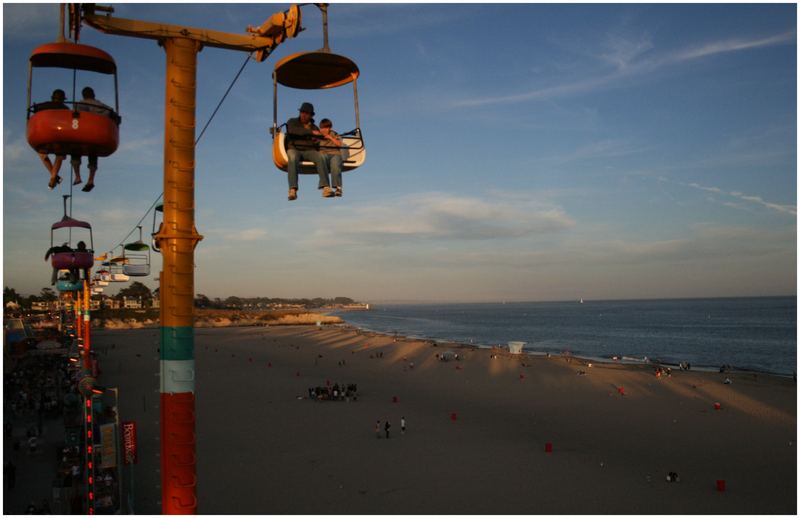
(73, 55)
(67, 222)
(315, 70)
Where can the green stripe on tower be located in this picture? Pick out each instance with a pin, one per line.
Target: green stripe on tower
(177, 343)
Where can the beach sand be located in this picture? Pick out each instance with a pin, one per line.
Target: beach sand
(262, 449)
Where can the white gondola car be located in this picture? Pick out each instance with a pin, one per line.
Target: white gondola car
(353, 154)
(137, 258)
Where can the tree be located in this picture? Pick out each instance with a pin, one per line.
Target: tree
(201, 301)
(233, 302)
(136, 290)
(48, 295)
(10, 294)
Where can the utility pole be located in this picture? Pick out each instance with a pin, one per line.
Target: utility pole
(178, 236)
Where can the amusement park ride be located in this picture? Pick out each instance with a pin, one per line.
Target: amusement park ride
(71, 131)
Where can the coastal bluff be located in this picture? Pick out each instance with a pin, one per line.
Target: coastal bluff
(222, 318)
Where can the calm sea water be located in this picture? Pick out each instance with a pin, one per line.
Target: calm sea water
(748, 333)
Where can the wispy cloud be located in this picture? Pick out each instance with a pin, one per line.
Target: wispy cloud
(621, 52)
(248, 234)
(390, 19)
(733, 45)
(444, 217)
(604, 148)
(14, 150)
(750, 199)
(623, 57)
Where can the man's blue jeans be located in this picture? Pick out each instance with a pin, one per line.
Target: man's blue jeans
(334, 163)
(312, 155)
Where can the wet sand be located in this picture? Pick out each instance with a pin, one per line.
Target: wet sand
(261, 450)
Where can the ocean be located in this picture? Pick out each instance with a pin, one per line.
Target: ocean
(758, 334)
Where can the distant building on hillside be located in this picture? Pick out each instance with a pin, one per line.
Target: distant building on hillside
(131, 303)
(351, 307)
(43, 305)
(110, 303)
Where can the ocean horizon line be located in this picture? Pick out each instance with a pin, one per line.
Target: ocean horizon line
(398, 302)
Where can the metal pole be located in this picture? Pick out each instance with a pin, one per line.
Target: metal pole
(324, 9)
(177, 240)
(120, 464)
(86, 338)
(61, 24)
(274, 104)
(79, 328)
(89, 451)
(355, 101)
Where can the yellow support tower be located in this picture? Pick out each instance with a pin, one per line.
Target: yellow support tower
(178, 236)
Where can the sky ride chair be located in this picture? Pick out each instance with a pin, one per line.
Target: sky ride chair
(73, 260)
(116, 267)
(64, 283)
(137, 255)
(102, 277)
(72, 131)
(317, 70)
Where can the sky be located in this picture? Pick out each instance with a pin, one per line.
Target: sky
(515, 152)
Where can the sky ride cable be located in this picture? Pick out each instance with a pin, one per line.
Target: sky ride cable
(219, 104)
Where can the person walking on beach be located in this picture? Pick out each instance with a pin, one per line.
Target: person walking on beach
(402, 425)
(386, 427)
(378, 429)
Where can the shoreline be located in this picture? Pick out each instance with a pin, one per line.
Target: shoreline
(330, 318)
(583, 358)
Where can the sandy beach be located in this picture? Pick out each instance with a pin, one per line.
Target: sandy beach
(263, 447)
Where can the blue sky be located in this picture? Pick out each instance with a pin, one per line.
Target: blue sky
(514, 152)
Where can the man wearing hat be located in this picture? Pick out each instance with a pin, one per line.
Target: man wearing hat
(302, 143)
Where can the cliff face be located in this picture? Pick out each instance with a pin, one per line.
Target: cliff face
(227, 318)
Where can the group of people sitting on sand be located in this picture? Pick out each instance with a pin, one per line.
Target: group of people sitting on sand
(447, 356)
(663, 371)
(334, 392)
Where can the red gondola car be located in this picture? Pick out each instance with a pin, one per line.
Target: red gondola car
(72, 131)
